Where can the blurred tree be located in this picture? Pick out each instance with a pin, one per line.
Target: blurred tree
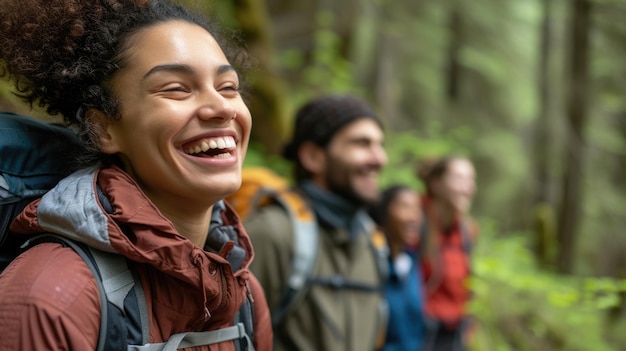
(267, 93)
(577, 104)
(604, 242)
(545, 235)
(453, 62)
(262, 86)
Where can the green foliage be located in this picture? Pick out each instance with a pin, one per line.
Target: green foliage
(404, 150)
(517, 306)
(328, 71)
(258, 156)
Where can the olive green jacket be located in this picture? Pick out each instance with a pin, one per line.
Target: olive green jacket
(325, 319)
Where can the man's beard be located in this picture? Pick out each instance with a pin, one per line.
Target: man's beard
(338, 180)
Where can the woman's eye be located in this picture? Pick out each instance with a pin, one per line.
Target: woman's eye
(231, 87)
(229, 90)
(176, 88)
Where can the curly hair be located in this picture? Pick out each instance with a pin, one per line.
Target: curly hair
(61, 54)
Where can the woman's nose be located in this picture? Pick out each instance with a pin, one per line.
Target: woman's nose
(216, 106)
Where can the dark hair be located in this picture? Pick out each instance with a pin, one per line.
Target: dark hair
(62, 53)
(378, 212)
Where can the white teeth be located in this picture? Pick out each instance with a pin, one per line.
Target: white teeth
(204, 146)
(214, 143)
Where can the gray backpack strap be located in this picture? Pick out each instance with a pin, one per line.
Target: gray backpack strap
(305, 253)
(143, 313)
(118, 280)
(116, 277)
(193, 339)
(305, 247)
(305, 231)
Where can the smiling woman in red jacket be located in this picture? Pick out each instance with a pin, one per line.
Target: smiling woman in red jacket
(154, 94)
(448, 236)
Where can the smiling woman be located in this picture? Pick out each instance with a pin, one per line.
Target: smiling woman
(153, 91)
(184, 93)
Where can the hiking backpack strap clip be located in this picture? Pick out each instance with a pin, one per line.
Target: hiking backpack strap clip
(193, 339)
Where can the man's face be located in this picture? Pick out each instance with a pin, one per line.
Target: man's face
(354, 159)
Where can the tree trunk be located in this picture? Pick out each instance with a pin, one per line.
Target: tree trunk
(267, 103)
(453, 65)
(569, 216)
(612, 261)
(543, 126)
(385, 87)
(545, 232)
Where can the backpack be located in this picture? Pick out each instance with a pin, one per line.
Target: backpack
(34, 156)
(261, 186)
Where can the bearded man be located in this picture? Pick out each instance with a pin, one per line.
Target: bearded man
(337, 152)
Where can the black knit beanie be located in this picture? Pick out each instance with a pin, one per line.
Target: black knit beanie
(320, 119)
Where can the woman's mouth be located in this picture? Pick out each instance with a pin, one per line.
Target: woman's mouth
(219, 147)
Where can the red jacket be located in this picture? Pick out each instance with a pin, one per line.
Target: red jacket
(48, 296)
(446, 272)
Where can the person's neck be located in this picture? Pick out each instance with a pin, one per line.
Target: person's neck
(447, 216)
(194, 225)
(395, 248)
(334, 211)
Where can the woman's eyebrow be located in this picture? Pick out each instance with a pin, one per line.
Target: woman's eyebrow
(180, 68)
(225, 68)
(173, 67)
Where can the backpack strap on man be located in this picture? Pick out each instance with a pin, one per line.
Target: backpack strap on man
(305, 247)
(261, 186)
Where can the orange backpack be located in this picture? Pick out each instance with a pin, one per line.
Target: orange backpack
(261, 186)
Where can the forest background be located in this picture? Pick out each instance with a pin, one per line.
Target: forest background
(531, 90)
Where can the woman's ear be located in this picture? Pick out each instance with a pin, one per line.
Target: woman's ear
(101, 135)
(312, 157)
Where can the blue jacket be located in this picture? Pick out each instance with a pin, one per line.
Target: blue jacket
(406, 327)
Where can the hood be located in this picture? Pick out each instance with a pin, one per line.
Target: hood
(123, 220)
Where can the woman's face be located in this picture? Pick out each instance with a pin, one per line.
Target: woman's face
(177, 136)
(458, 185)
(404, 217)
